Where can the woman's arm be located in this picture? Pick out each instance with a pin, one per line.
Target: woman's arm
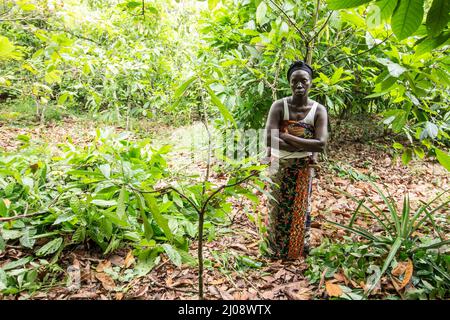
(318, 143)
(273, 130)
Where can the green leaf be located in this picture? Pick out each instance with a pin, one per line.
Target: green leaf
(2, 244)
(64, 217)
(223, 109)
(261, 12)
(8, 50)
(75, 205)
(104, 203)
(181, 89)
(173, 254)
(134, 4)
(406, 156)
(395, 70)
(443, 158)
(387, 7)
(148, 230)
(430, 44)
(3, 280)
(407, 18)
(162, 222)
(11, 234)
(106, 170)
(212, 4)
(345, 4)
(121, 203)
(397, 146)
(53, 76)
(431, 131)
(438, 16)
(419, 152)
(50, 247)
(26, 239)
(18, 263)
(3, 208)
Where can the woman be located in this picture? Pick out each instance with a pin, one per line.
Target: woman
(296, 128)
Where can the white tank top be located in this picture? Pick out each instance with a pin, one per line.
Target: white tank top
(309, 119)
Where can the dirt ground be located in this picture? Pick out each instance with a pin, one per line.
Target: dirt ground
(276, 279)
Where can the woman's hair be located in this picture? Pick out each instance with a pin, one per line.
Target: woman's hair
(299, 65)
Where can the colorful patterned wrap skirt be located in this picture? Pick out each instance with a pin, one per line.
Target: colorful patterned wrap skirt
(289, 220)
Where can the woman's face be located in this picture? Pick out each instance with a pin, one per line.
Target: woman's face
(300, 83)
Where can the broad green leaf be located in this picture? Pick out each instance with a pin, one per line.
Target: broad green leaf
(26, 239)
(106, 170)
(11, 234)
(406, 156)
(182, 88)
(3, 280)
(261, 12)
(345, 4)
(104, 203)
(162, 222)
(212, 4)
(17, 263)
(148, 230)
(2, 244)
(395, 70)
(419, 152)
(79, 235)
(431, 131)
(337, 75)
(438, 16)
(386, 7)
(134, 4)
(75, 205)
(115, 218)
(121, 203)
(3, 208)
(53, 76)
(26, 6)
(173, 254)
(223, 109)
(431, 43)
(8, 50)
(407, 18)
(64, 217)
(50, 247)
(397, 146)
(443, 158)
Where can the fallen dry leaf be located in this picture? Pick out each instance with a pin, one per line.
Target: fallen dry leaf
(300, 294)
(119, 296)
(408, 274)
(333, 290)
(84, 295)
(218, 281)
(406, 269)
(226, 296)
(129, 260)
(107, 282)
(103, 265)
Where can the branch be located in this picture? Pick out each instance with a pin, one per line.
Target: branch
(164, 190)
(23, 216)
(21, 19)
(226, 186)
(355, 55)
(302, 34)
(323, 26)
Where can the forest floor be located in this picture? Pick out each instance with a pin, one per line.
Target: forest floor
(352, 153)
